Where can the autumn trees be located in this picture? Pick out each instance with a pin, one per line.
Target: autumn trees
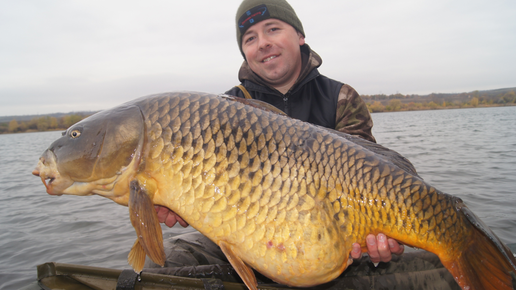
(44, 123)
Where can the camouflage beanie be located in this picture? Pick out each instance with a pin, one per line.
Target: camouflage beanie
(251, 12)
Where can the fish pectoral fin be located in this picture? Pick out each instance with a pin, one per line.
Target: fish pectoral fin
(146, 224)
(245, 272)
(136, 257)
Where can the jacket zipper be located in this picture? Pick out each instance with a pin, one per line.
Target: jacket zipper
(285, 102)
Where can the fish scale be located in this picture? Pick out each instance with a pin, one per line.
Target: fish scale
(279, 195)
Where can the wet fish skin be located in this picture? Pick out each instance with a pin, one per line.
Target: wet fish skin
(282, 196)
(283, 190)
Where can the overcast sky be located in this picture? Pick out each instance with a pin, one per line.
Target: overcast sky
(67, 55)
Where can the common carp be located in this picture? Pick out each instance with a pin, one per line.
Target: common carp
(281, 196)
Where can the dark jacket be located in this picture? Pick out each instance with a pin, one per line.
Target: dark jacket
(313, 98)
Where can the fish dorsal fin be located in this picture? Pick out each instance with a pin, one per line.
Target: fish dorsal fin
(245, 272)
(255, 104)
(148, 230)
(385, 153)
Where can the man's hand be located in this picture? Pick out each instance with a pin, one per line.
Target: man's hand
(379, 248)
(169, 217)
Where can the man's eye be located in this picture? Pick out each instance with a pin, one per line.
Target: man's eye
(274, 29)
(249, 39)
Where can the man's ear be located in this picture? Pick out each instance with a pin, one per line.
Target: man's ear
(301, 39)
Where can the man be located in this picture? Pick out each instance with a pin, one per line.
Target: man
(281, 69)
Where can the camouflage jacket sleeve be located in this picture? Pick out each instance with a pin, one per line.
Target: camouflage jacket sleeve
(352, 114)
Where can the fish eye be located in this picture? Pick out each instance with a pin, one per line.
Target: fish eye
(75, 134)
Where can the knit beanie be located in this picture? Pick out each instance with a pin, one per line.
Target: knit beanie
(251, 12)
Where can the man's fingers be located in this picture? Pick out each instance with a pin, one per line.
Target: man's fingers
(372, 248)
(169, 217)
(384, 249)
(356, 251)
(162, 213)
(182, 222)
(165, 215)
(171, 220)
(379, 248)
(395, 247)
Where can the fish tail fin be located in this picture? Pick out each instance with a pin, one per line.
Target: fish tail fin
(485, 262)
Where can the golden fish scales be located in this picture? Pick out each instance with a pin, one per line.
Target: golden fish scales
(290, 199)
(284, 197)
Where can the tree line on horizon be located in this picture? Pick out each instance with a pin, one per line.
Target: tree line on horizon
(375, 103)
(399, 102)
(38, 124)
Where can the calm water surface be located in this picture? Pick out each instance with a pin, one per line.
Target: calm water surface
(470, 153)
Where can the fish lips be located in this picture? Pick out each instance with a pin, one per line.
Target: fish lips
(47, 171)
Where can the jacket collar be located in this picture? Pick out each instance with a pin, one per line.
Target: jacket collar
(310, 62)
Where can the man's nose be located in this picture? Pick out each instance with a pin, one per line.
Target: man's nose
(264, 42)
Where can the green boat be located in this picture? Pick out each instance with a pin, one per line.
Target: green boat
(412, 270)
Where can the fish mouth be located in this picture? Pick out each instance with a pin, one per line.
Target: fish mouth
(48, 185)
(47, 181)
(47, 171)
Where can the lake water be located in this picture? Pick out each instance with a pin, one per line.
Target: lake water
(470, 153)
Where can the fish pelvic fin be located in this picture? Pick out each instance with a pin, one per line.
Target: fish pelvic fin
(146, 224)
(245, 272)
(485, 262)
(136, 257)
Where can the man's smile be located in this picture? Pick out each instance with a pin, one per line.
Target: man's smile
(269, 58)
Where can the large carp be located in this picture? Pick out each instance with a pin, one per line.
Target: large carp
(278, 195)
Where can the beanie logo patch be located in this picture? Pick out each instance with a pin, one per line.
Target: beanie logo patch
(252, 16)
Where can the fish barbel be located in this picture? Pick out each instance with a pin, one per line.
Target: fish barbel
(278, 195)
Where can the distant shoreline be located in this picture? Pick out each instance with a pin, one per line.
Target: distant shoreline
(32, 131)
(450, 108)
(41, 123)
(399, 102)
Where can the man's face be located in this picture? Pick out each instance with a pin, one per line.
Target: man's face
(271, 48)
